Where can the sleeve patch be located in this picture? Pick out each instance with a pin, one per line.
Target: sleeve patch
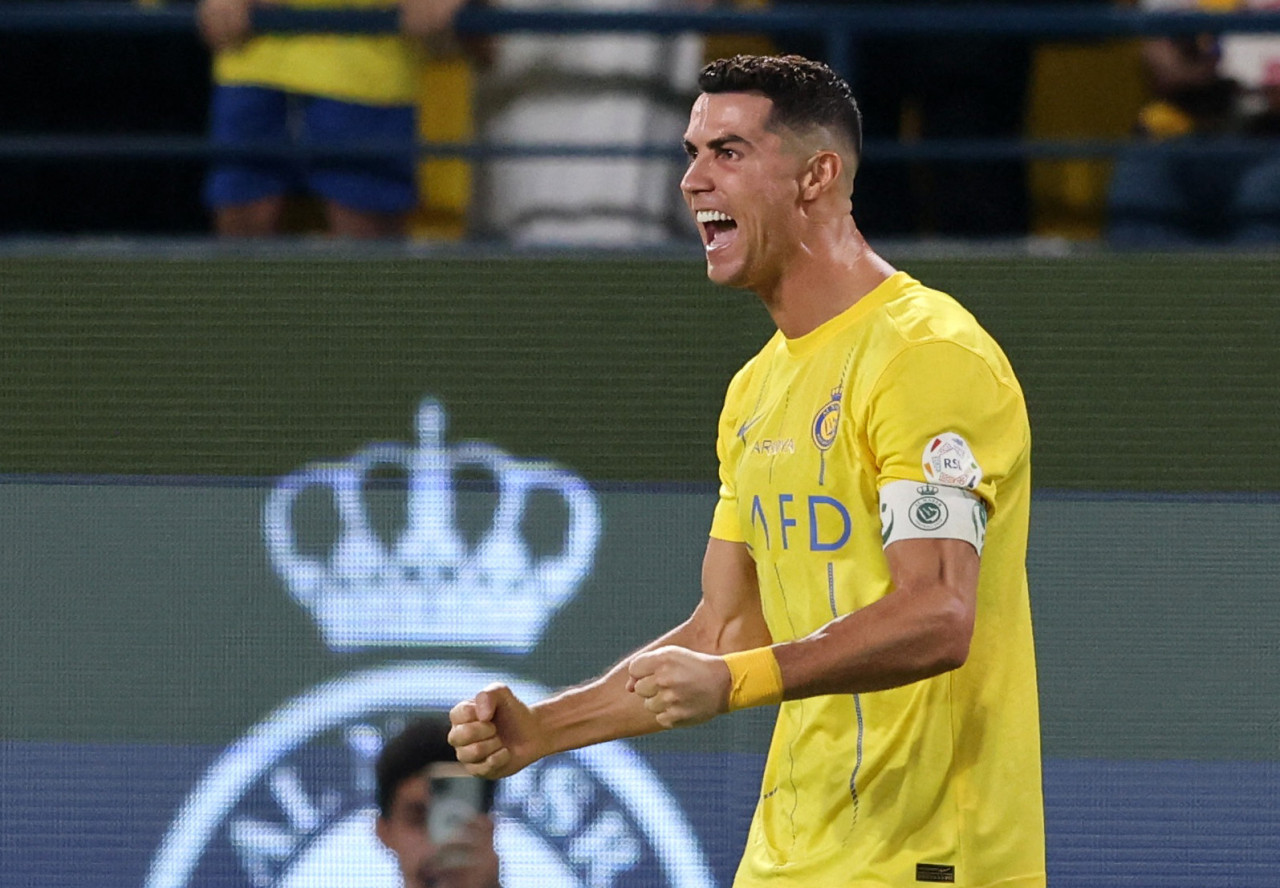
(948, 460)
(912, 511)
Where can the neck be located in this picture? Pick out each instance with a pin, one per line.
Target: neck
(828, 273)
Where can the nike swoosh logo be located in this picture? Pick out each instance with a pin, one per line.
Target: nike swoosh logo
(746, 427)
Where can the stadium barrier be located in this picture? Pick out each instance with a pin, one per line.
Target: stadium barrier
(834, 24)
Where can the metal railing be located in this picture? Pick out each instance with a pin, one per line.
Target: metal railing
(835, 25)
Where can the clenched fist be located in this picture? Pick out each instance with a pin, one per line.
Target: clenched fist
(495, 734)
(679, 686)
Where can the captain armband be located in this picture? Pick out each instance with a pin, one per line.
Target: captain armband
(914, 510)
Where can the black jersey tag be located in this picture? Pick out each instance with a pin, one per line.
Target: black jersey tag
(935, 872)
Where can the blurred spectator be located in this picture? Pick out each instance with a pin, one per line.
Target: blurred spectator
(1203, 86)
(405, 807)
(315, 91)
(607, 88)
(922, 87)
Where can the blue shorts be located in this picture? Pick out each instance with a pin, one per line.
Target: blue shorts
(252, 114)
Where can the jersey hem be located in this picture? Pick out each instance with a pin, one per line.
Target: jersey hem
(782, 879)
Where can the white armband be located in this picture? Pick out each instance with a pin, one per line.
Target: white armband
(914, 510)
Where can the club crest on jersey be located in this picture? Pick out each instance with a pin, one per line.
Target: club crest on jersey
(827, 421)
(948, 460)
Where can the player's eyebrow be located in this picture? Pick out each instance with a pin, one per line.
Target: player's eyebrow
(716, 144)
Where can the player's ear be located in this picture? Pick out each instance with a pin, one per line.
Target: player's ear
(382, 827)
(821, 172)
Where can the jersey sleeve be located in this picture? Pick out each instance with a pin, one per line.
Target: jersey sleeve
(725, 523)
(942, 414)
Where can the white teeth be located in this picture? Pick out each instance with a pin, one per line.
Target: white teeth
(713, 216)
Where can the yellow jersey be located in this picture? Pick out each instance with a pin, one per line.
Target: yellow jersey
(937, 781)
(369, 69)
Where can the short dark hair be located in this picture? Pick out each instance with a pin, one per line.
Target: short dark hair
(423, 741)
(804, 93)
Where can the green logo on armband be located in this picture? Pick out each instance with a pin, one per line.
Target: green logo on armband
(928, 512)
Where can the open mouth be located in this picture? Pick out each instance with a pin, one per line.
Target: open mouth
(717, 227)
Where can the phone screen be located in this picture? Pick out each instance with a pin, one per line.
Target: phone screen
(456, 798)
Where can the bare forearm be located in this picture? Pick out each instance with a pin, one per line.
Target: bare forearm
(727, 618)
(921, 629)
(603, 709)
(885, 645)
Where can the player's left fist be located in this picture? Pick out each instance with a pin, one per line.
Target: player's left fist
(679, 686)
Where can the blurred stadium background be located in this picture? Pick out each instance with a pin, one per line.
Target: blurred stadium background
(177, 708)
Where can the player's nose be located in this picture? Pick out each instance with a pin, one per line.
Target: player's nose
(696, 178)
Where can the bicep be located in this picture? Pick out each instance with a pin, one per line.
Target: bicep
(728, 617)
(938, 579)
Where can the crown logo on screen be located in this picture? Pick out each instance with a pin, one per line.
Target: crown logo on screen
(431, 585)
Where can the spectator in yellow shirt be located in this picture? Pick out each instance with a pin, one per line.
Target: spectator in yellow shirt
(315, 91)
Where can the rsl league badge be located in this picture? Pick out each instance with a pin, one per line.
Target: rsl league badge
(290, 803)
(947, 459)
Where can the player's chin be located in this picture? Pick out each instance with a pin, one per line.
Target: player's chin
(727, 275)
(720, 270)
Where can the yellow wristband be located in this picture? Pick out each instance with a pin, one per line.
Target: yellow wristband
(757, 680)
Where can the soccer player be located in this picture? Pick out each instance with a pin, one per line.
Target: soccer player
(866, 561)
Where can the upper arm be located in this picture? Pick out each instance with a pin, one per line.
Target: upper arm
(946, 430)
(729, 616)
(936, 579)
(920, 629)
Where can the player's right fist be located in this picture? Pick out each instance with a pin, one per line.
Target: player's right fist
(495, 734)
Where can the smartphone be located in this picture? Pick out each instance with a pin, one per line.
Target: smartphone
(456, 798)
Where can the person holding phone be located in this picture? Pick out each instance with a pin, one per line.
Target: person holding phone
(432, 815)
